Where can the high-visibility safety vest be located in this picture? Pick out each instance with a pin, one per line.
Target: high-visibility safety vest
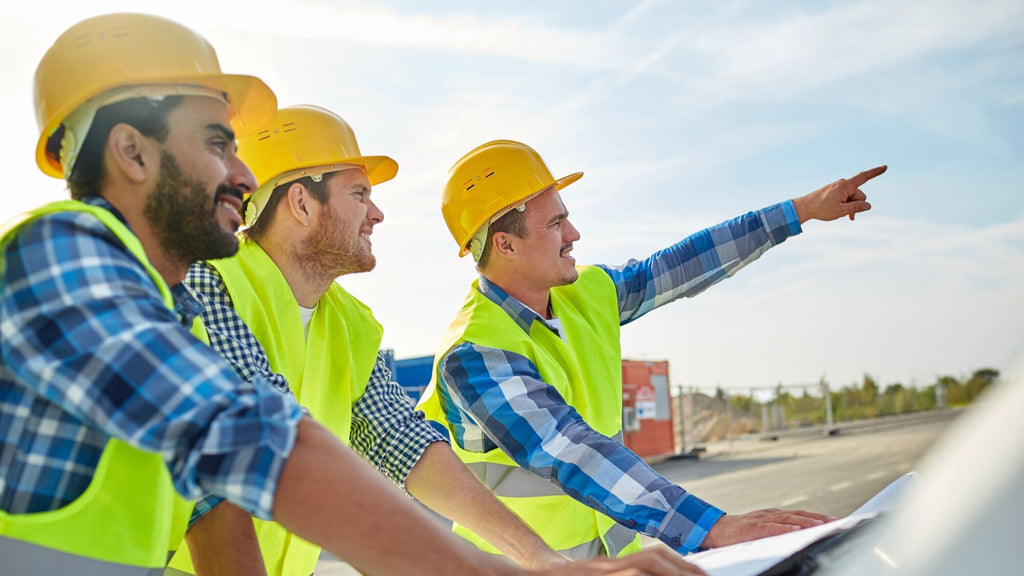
(326, 369)
(129, 519)
(586, 369)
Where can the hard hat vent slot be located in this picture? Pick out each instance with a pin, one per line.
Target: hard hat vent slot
(289, 127)
(489, 175)
(84, 40)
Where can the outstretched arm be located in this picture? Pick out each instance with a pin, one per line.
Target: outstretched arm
(709, 256)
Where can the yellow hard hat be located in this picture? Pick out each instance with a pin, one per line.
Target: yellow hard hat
(305, 141)
(488, 181)
(116, 51)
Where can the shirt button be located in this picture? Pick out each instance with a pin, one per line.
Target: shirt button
(632, 523)
(676, 542)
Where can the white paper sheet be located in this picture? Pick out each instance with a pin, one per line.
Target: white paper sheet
(754, 557)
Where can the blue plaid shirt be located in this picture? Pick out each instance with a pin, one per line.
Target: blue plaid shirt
(386, 430)
(90, 352)
(518, 419)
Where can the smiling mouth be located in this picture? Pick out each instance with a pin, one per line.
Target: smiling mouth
(565, 251)
(229, 198)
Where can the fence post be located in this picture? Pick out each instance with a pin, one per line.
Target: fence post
(728, 417)
(682, 419)
(690, 440)
(828, 406)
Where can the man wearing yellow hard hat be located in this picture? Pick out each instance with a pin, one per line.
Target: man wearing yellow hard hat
(528, 378)
(109, 404)
(275, 311)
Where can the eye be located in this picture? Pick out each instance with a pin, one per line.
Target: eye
(221, 144)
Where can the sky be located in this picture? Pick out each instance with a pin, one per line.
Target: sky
(681, 115)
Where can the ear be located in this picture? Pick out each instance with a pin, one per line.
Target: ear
(131, 153)
(504, 243)
(300, 203)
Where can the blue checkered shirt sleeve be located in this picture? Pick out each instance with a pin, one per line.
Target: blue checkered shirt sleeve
(386, 430)
(91, 352)
(701, 260)
(496, 398)
(230, 337)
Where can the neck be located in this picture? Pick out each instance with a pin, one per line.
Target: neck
(308, 285)
(172, 271)
(536, 298)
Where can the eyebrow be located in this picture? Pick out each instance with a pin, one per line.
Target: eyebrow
(560, 216)
(224, 130)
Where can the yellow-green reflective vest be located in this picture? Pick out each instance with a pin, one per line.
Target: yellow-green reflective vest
(586, 369)
(327, 370)
(129, 518)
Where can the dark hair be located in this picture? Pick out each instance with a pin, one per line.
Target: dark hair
(512, 222)
(147, 115)
(266, 216)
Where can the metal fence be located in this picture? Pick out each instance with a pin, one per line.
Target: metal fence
(703, 415)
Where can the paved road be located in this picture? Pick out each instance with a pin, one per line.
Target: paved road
(829, 474)
(833, 475)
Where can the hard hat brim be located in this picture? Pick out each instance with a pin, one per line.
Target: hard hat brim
(378, 168)
(566, 180)
(253, 106)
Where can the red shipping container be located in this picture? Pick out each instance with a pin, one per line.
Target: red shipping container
(647, 409)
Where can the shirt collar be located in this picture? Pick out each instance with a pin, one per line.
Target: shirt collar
(101, 202)
(523, 315)
(186, 303)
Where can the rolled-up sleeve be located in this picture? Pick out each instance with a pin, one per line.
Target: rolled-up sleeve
(386, 430)
(85, 327)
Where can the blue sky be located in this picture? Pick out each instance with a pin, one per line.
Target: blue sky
(681, 114)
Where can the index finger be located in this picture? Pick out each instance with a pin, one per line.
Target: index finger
(867, 175)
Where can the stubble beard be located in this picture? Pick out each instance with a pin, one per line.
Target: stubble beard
(183, 215)
(330, 252)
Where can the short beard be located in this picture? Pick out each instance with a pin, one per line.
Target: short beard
(184, 216)
(328, 254)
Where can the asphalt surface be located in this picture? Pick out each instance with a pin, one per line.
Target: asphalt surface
(801, 469)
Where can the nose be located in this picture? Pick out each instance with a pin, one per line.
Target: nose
(571, 233)
(374, 214)
(239, 175)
